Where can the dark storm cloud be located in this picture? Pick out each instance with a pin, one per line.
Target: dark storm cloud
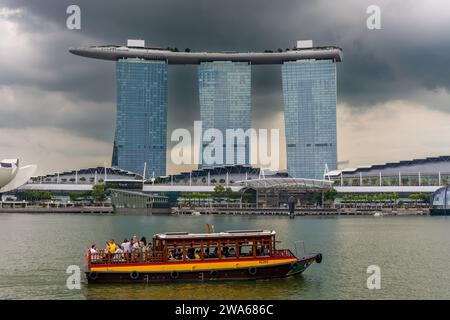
(370, 73)
(407, 59)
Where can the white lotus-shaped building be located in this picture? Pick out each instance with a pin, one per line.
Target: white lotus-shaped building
(12, 176)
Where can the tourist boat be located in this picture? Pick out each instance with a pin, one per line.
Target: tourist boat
(182, 256)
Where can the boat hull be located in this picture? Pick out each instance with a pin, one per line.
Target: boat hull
(194, 272)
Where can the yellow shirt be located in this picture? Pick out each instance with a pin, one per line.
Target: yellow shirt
(112, 247)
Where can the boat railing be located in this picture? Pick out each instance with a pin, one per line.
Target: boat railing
(102, 257)
(283, 253)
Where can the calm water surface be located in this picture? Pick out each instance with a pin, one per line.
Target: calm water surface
(412, 252)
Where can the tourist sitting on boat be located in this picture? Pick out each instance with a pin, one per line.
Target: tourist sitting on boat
(126, 245)
(197, 254)
(171, 255)
(111, 245)
(93, 253)
(178, 254)
(135, 248)
(93, 249)
(118, 255)
(191, 253)
(225, 252)
(143, 248)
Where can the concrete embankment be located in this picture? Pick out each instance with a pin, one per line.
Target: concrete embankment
(81, 210)
(304, 211)
(224, 211)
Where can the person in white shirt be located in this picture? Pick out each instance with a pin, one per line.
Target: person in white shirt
(126, 247)
(93, 253)
(118, 255)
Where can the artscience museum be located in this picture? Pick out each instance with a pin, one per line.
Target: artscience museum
(12, 176)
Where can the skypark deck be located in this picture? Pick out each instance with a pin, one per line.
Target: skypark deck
(118, 52)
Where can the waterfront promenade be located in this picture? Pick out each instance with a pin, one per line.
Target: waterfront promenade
(223, 211)
(303, 211)
(79, 210)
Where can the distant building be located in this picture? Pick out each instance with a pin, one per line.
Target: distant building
(309, 90)
(225, 103)
(141, 123)
(12, 176)
(432, 171)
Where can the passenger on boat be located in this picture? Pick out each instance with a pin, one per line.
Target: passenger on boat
(178, 254)
(191, 253)
(225, 251)
(136, 248)
(232, 252)
(93, 249)
(143, 247)
(118, 255)
(126, 247)
(112, 246)
(171, 256)
(197, 254)
(93, 253)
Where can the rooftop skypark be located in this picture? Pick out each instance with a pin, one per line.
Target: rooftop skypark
(137, 49)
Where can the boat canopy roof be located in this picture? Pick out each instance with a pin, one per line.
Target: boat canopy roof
(225, 234)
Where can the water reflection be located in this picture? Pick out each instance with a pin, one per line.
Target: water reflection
(288, 288)
(412, 253)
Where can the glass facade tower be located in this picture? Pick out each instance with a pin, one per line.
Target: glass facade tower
(141, 123)
(309, 90)
(225, 103)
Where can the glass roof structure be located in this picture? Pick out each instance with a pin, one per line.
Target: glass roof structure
(298, 184)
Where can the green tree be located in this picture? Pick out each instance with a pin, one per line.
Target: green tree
(98, 192)
(330, 195)
(219, 192)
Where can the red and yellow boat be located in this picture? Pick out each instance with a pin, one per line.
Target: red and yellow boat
(182, 256)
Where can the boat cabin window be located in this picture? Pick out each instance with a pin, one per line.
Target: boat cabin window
(221, 248)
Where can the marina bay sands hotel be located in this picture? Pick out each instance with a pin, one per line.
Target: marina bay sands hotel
(224, 81)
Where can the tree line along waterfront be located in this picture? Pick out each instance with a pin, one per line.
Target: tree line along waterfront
(222, 196)
(97, 194)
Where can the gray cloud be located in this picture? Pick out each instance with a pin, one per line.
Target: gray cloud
(407, 60)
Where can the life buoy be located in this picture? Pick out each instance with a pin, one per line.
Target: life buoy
(134, 275)
(93, 275)
(213, 273)
(319, 258)
(252, 271)
(174, 275)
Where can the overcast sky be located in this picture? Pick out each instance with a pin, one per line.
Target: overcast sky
(57, 110)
